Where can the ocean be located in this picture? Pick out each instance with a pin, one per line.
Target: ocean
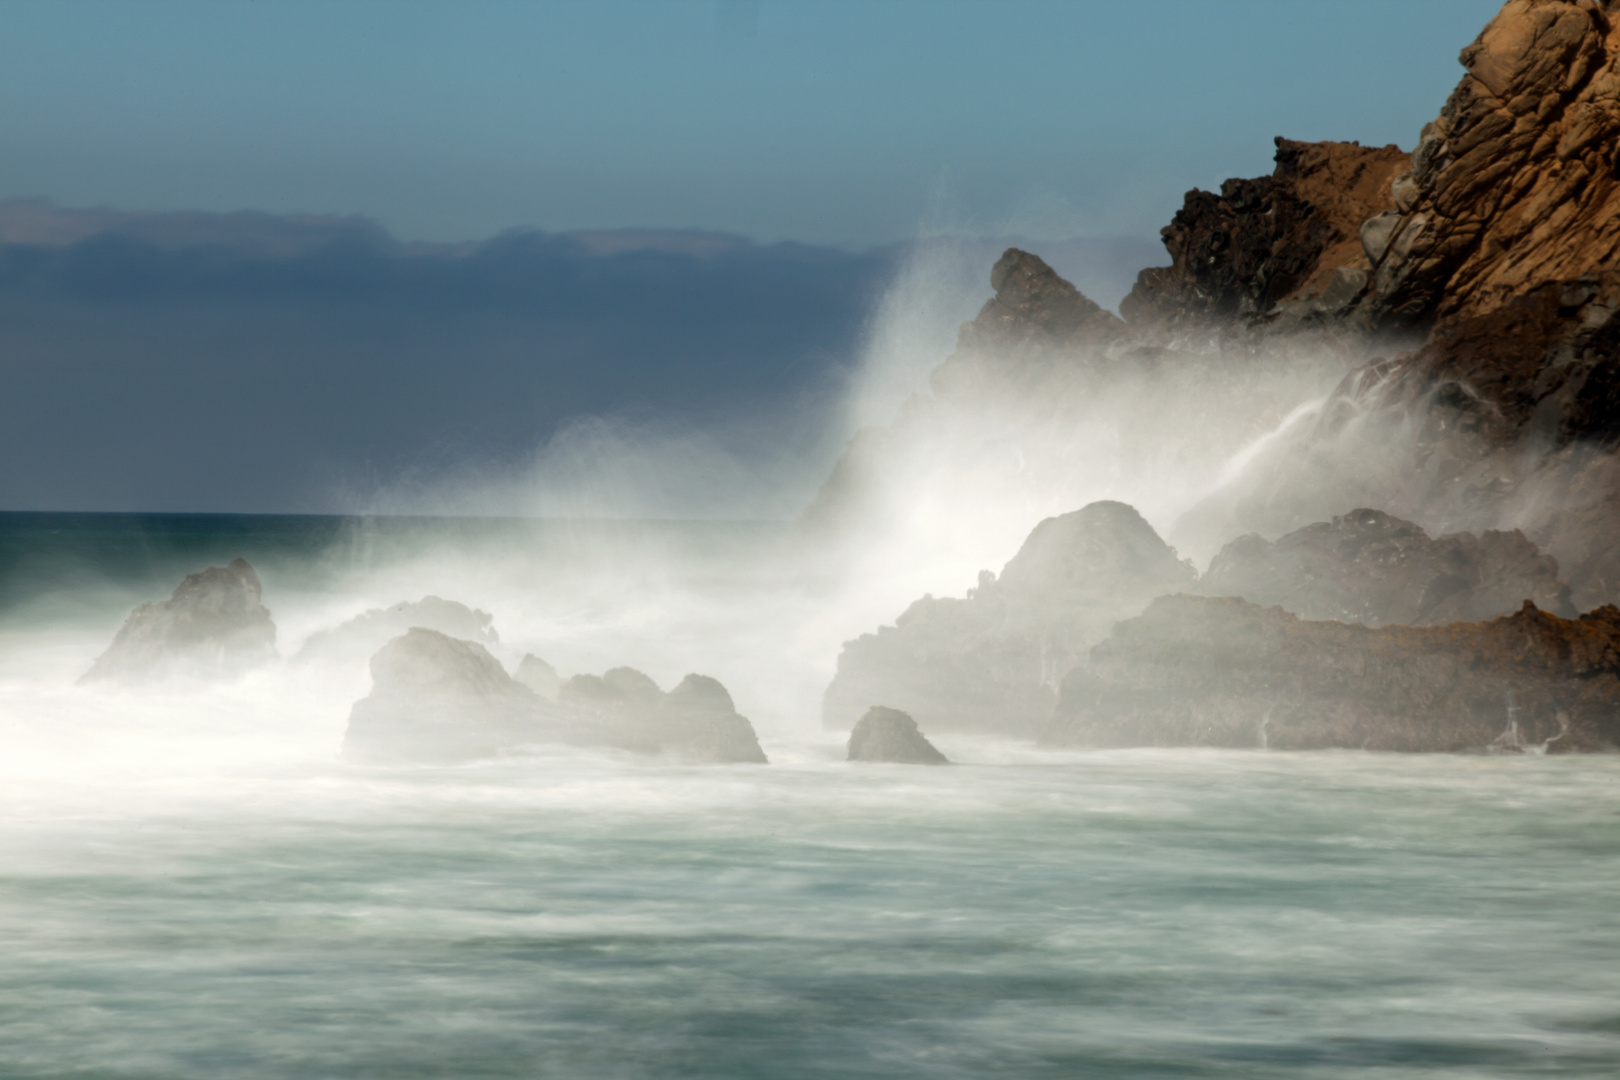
(192, 885)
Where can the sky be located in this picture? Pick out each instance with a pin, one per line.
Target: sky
(824, 122)
(303, 257)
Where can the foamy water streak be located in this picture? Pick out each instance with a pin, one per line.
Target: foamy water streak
(1120, 914)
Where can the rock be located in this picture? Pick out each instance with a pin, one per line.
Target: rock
(695, 722)
(439, 700)
(992, 662)
(1203, 671)
(1277, 239)
(885, 734)
(213, 625)
(1375, 569)
(539, 676)
(364, 634)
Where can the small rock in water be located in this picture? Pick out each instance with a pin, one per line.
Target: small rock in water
(213, 625)
(885, 734)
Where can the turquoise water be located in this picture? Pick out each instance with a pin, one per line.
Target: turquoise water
(192, 886)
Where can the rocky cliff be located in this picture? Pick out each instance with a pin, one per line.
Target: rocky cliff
(1200, 671)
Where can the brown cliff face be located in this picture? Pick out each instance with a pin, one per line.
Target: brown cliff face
(1265, 241)
(1514, 185)
(1035, 308)
(1198, 671)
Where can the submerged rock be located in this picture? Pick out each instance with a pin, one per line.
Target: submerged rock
(364, 634)
(1376, 569)
(213, 625)
(1204, 671)
(885, 734)
(992, 662)
(438, 700)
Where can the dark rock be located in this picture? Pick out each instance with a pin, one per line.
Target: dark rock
(1202, 671)
(1375, 569)
(539, 676)
(364, 634)
(885, 734)
(992, 662)
(213, 625)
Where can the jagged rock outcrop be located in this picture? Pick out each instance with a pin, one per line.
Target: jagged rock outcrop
(437, 700)
(1205, 671)
(1290, 240)
(885, 734)
(1375, 569)
(538, 676)
(367, 632)
(213, 625)
(1035, 310)
(992, 662)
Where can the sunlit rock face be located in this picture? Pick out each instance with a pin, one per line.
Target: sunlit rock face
(1207, 671)
(438, 700)
(364, 634)
(992, 662)
(890, 735)
(214, 625)
(1372, 568)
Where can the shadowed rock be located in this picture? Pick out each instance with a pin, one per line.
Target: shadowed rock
(213, 625)
(1204, 671)
(364, 634)
(885, 734)
(992, 662)
(1373, 568)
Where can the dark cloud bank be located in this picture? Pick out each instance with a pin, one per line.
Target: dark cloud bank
(248, 362)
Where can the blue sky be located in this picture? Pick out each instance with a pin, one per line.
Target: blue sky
(843, 123)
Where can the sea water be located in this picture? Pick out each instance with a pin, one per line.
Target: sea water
(192, 885)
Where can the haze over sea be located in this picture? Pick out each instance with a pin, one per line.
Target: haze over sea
(192, 886)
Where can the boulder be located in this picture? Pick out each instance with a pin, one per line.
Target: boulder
(213, 625)
(367, 632)
(1209, 671)
(1373, 568)
(992, 662)
(439, 700)
(539, 676)
(696, 721)
(885, 734)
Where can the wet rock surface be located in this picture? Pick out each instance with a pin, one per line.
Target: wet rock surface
(885, 734)
(1203, 671)
(1373, 568)
(991, 662)
(214, 625)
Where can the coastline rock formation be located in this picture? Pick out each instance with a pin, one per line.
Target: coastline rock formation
(214, 625)
(1203, 671)
(1375, 569)
(885, 734)
(992, 662)
(369, 631)
(439, 700)
(538, 676)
